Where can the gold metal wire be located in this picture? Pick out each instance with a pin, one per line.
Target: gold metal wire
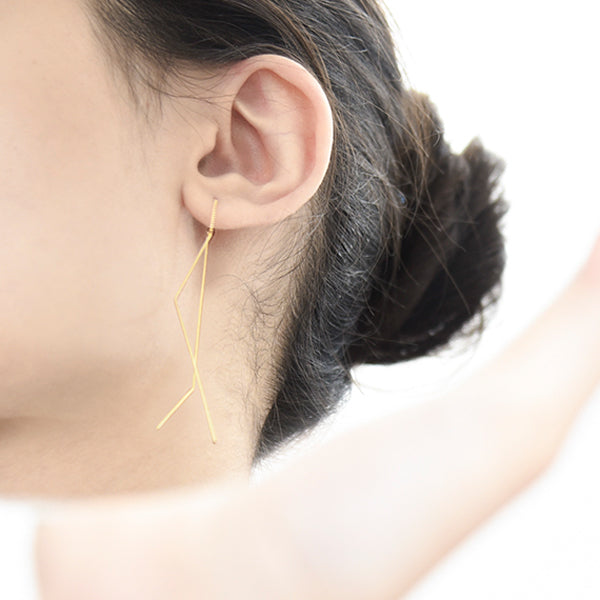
(194, 353)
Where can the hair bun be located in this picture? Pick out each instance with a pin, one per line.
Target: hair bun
(444, 252)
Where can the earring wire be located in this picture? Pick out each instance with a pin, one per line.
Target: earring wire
(194, 353)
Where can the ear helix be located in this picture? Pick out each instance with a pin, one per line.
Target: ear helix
(196, 380)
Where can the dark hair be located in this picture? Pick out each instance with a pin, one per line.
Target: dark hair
(405, 250)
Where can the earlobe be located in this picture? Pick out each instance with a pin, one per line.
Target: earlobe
(271, 149)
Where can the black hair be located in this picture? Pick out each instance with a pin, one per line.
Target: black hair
(405, 251)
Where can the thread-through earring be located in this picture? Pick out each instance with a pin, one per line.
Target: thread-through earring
(194, 353)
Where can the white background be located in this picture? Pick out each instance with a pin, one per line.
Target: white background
(523, 76)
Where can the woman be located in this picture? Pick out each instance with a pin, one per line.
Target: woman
(140, 118)
(344, 231)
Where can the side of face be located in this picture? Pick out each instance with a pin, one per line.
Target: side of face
(85, 223)
(102, 213)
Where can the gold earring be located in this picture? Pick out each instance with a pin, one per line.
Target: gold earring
(194, 353)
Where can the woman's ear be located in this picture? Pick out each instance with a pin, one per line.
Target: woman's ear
(269, 147)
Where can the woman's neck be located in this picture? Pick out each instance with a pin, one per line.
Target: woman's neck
(116, 448)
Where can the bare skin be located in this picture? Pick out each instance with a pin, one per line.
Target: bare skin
(102, 213)
(400, 493)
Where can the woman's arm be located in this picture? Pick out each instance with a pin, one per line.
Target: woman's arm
(363, 517)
